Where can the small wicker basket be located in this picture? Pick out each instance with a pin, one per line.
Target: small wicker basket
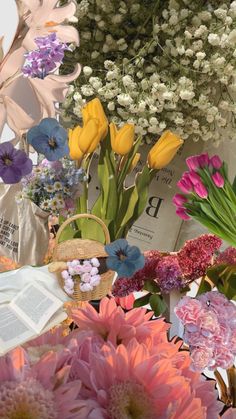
(82, 249)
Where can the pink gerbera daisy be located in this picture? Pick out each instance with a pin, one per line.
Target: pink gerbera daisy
(41, 391)
(130, 383)
(115, 326)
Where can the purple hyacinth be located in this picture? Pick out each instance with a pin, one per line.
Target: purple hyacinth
(49, 55)
(14, 164)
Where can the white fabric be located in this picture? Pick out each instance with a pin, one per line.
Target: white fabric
(12, 282)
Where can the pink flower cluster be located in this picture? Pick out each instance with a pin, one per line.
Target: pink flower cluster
(210, 329)
(191, 181)
(87, 272)
(113, 363)
(228, 257)
(172, 271)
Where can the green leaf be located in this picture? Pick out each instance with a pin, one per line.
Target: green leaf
(157, 304)
(203, 287)
(215, 274)
(142, 301)
(151, 286)
(234, 185)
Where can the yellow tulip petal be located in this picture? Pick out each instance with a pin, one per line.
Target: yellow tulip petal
(89, 136)
(164, 150)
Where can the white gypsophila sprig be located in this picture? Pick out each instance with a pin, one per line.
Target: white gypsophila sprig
(160, 64)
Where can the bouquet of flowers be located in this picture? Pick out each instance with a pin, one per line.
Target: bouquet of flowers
(209, 197)
(118, 204)
(53, 186)
(167, 272)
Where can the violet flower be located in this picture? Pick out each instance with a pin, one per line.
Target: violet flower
(14, 164)
(49, 55)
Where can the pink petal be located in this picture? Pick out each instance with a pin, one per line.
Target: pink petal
(20, 123)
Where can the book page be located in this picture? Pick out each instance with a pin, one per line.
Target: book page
(35, 305)
(12, 329)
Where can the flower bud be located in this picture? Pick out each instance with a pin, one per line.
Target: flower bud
(164, 150)
(75, 152)
(192, 163)
(89, 136)
(216, 162)
(218, 180)
(179, 200)
(182, 213)
(201, 190)
(203, 160)
(122, 140)
(194, 177)
(94, 110)
(185, 185)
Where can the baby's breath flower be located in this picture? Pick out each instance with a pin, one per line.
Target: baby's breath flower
(174, 68)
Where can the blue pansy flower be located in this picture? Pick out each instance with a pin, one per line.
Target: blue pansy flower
(49, 138)
(123, 258)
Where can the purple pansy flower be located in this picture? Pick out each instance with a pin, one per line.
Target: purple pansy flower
(14, 164)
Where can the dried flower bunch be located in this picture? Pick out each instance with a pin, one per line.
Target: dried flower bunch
(158, 64)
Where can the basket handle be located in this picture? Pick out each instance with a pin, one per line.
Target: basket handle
(76, 217)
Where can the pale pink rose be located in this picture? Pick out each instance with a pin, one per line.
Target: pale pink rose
(201, 358)
(223, 357)
(208, 323)
(188, 309)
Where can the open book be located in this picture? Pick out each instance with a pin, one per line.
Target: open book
(32, 312)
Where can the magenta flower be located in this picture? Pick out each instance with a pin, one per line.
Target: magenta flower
(182, 213)
(179, 200)
(185, 185)
(194, 178)
(14, 164)
(216, 162)
(218, 180)
(192, 163)
(203, 160)
(228, 256)
(201, 190)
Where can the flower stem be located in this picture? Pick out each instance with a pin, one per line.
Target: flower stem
(231, 373)
(224, 396)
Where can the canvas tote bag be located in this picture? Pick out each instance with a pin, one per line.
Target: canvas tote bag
(24, 232)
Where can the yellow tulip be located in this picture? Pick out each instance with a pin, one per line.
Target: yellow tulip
(94, 110)
(135, 161)
(122, 140)
(75, 152)
(164, 150)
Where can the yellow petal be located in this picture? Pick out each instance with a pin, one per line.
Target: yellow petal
(75, 152)
(164, 150)
(89, 136)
